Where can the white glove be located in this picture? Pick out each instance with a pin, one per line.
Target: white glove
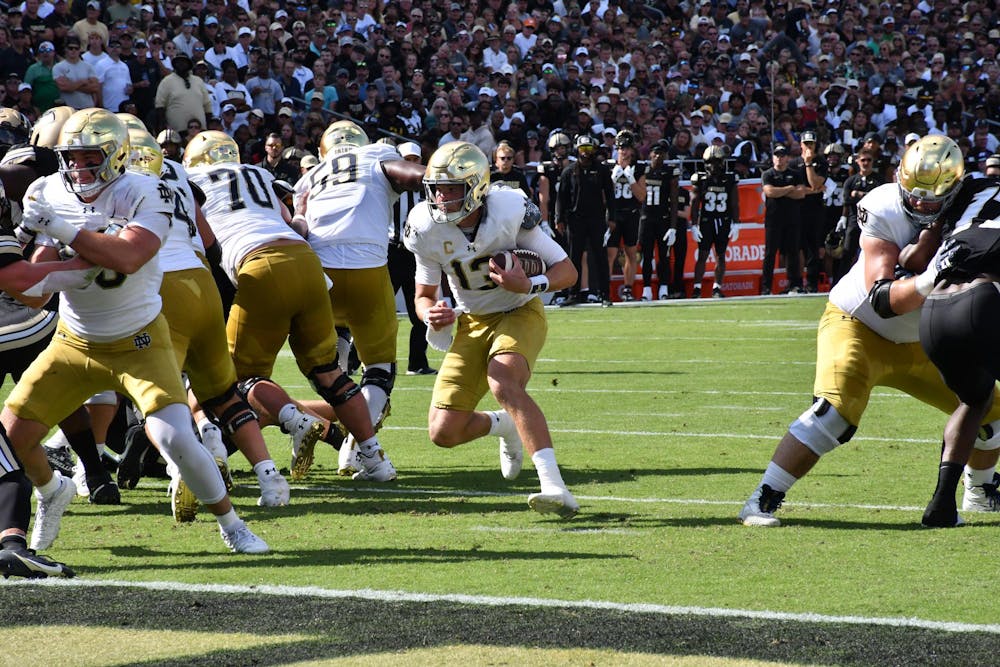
(39, 217)
(696, 234)
(734, 233)
(545, 227)
(670, 237)
(617, 173)
(842, 223)
(60, 281)
(629, 174)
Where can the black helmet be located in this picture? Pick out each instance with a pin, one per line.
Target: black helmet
(835, 244)
(624, 139)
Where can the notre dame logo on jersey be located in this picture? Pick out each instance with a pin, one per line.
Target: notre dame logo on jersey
(142, 340)
(166, 194)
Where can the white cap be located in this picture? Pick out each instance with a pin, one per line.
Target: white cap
(910, 138)
(228, 107)
(409, 148)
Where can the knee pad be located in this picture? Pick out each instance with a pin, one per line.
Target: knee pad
(244, 386)
(821, 428)
(341, 391)
(233, 418)
(382, 376)
(104, 398)
(988, 438)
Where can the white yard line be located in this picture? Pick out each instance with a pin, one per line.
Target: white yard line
(496, 601)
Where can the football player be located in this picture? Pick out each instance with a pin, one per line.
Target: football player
(501, 323)
(111, 332)
(957, 330)
(629, 182)
(347, 203)
(869, 333)
(837, 173)
(658, 226)
(715, 215)
(281, 294)
(193, 310)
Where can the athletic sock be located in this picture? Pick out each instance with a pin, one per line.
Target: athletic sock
(228, 521)
(974, 477)
(778, 478)
(548, 470)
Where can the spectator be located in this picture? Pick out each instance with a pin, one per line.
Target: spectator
(76, 80)
(182, 96)
(265, 91)
(91, 23)
(116, 82)
(41, 79)
(170, 141)
(146, 78)
(784, 189)
(16, 58)
(855, 188)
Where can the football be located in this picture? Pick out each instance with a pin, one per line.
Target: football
(530, 261)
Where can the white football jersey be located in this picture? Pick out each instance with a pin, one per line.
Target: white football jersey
(349, 202)
(444, 247)
(115, 305)
(242, 210)
(178, 251)
(881, 215)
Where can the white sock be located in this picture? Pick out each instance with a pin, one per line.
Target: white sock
(229, 521)
(46, 491)
(778, 478)
(369, 445)
(716, 286)
(501, 423)
(548, 470)
(287, 413)
(975, 477)
(265, 469)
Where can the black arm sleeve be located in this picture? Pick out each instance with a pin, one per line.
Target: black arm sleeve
(878, 297)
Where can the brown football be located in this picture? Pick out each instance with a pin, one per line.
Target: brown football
(530, 261)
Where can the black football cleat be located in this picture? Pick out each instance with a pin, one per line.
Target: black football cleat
(24, 562)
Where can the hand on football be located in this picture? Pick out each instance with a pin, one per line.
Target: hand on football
(513, 279)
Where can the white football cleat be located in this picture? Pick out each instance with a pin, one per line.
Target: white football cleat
(347, 457)
(982, 498)
(375, 466)
(80, 479)
(759, 509)
(49, 513)
(274, 490)
(560, 502)
(241, 540)
(511, 457)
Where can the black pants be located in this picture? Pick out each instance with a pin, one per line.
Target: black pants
(402, 267)
(782, 236)
(588, 235)
(813, 224)
(958, 332)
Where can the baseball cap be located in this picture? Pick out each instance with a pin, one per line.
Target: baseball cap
(873, 136)
(23, 87)
(808, 137)
(285, 111)
(211, 20)
(94, 4)
(910, 138)
(585, 111)
(409, 148)
(486, 90)
(245, 31)
(46, 47)
(610, 130)
(316, 96)
(697, 114)
(309, 161)
(993, 161)
(780, 150)
(276, 26)
(226, 108)
(604, 99)
(581, 51)
(299, 25)
(257, 113)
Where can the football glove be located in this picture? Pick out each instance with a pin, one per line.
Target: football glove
(734, 233)
(696, 234)
(670, 237)
(841, 224)
(39, 217)
(545, 227)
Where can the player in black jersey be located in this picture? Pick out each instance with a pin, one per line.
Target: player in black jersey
(837, 173)
(813, 209)
(715, 215)
(660, 226)
(629, 183)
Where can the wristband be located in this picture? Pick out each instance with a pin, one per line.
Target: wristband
(924, 283)
(539, 284)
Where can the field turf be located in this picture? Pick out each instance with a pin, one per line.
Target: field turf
(664, 418)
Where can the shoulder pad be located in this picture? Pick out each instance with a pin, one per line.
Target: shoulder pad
(532, 215)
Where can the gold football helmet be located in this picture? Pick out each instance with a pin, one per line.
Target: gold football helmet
(14, 127)
(131, 122)
(93, 130)
(340, 137)
(211, 147)
(146, 156)
(929, 177)
(457, 163)
(49, 125)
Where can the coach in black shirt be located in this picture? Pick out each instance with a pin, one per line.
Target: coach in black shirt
(784, 190)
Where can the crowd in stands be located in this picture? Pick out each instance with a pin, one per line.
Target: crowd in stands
(750, 75)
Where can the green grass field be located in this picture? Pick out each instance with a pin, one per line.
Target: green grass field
(664, 418)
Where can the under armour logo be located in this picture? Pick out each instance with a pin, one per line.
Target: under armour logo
(142, 340)
(90, 210)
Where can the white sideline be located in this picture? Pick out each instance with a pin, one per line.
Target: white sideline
(492, 601)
